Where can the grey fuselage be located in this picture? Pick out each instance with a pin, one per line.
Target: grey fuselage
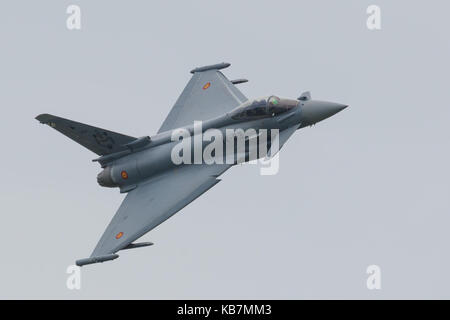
(130, 169)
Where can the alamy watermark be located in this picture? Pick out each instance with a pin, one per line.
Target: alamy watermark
(236, 147)
(374, 280)
(374, 19)
(73, 281)
(73, 21)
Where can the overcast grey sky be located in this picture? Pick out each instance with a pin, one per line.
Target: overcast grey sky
(367, 186)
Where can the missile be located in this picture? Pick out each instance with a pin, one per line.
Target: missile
(91, 260)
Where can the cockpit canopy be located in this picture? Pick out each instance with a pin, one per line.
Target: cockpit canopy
(263, 108)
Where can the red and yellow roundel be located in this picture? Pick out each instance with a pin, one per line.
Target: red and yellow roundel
(119, 235)
(124, 175)
(207, 85)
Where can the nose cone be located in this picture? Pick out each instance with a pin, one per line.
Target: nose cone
(314, 111)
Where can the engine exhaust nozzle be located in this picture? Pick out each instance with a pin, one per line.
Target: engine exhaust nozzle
(104, 178)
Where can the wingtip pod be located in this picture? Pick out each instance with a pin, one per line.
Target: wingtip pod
(43, 118)
(217, 66)
(92, 260)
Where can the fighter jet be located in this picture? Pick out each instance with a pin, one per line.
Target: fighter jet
(156, 187)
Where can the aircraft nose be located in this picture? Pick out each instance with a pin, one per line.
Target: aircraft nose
(314, 111)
